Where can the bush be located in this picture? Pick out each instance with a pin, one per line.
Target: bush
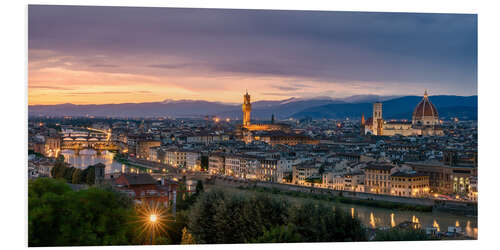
(317, 222)
(401, 235)
(279, 234)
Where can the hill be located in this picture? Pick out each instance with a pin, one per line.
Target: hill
(398, 108)
(319, 107)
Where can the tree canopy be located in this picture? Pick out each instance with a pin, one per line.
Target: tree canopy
(220, 217)
(59, 216)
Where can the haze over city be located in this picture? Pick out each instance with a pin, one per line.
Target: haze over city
(98, 55)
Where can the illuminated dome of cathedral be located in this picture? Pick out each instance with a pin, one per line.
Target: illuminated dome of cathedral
(425, 113)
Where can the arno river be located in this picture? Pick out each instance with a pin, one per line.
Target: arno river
(380, 217)
(90, 157)
(369, 216)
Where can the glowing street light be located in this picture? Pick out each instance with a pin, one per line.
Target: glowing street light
(152, 218)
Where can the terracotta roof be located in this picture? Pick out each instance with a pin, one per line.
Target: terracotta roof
(379, 167)
(425, 108)
(398, 122)
(139, 179)
(369, 121)
(405, 174)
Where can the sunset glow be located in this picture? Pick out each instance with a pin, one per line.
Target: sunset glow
(98, 55)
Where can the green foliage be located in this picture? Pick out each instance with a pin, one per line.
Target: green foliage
(59, 168)
(317, 222)
(89, 175)
(42, 186)
(58, 216)
(185, 200)
(73, 175)
(219, 217)
(321, 170)
(313, 180)
(279, 234)
(77, 175)
(60, 160)
(397, 234)
(174, 229)
(68, 174)
(199, 187)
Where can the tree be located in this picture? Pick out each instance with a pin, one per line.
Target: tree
(199, 187)
(59, 216)
(317, 222)
(41, 186)
(60, 160)
(76, 178)
(68, 174)
(202, 217)
(321, 170)
(218, 217)
(279, 234)
(59, 168)
(88, 177)
(398, 234)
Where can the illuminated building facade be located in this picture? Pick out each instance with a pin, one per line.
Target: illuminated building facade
(247, 109)
(143, 146)
(377, 178)
(450, 176)
(409, 184)
(425, 121)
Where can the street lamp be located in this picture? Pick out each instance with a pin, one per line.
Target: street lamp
(152, 220)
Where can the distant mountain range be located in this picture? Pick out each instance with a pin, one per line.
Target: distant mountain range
(320, 107)
(397, 108)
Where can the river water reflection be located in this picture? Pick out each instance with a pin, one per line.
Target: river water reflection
(380, 217)
(89, 157)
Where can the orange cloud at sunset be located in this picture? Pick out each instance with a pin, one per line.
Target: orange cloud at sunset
(97, 55)
(56, 79)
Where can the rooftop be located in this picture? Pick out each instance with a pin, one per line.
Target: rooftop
(407, 174)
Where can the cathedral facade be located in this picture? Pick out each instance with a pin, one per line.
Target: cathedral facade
(425, 121)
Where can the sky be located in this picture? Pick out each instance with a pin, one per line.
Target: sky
(98, 55)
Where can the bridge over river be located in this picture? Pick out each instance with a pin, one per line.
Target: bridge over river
(87, 138)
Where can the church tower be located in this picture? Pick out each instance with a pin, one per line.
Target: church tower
(247, 108)
(378, 122)
(362, 125)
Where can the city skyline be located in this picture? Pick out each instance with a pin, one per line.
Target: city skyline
(177, 126)
(101, 55)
